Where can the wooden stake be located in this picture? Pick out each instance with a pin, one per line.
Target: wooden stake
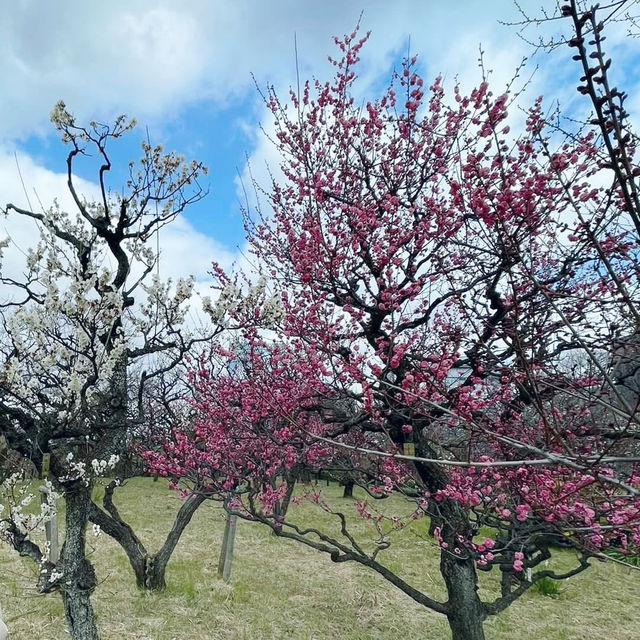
(226, 553)
(51, 525)
(4, 631)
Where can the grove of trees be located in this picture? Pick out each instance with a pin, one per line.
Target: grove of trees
(87, 333)
(473, 293)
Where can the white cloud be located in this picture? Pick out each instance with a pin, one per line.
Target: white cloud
(187, 252)
(102, 58)
(41, 188)
(152, 58)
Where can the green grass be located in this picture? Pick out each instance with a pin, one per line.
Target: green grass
(282, 589)
(548, 587)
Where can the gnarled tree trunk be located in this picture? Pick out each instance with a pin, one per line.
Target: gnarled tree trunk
(79, 578)
(156, 565)
(466, 612)
(149, 569)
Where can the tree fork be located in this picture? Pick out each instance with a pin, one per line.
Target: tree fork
(149, 569)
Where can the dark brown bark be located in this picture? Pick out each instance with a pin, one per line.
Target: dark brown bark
(149, 569)
(157, 564)
(280, 509)
(124, 535)
(464, 609)
(348, 489)
(466, 612)
(79, 578)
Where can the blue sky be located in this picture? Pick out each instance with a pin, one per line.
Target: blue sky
(184, 70)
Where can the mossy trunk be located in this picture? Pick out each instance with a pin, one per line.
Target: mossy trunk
(79, 578)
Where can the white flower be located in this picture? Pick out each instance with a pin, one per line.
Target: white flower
(3, 245)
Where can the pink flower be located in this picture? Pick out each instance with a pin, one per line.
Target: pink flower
(522, 512)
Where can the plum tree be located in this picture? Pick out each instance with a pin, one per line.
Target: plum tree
(469, 291)
(87, 329)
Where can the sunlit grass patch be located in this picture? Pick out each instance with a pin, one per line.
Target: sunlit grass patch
(280, 589)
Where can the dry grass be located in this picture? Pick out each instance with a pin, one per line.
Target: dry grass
(282, 589)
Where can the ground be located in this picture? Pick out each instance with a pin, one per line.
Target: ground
(280, 589)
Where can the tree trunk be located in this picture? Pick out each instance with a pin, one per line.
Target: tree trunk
(79, 579)
(149, 569)
(280, 508)
(348, 489)
(156, 566)
(466, 611)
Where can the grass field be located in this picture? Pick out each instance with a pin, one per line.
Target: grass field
(280, 589)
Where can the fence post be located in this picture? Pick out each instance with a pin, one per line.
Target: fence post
(4, 631)
(51, 525)
(226, 553)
